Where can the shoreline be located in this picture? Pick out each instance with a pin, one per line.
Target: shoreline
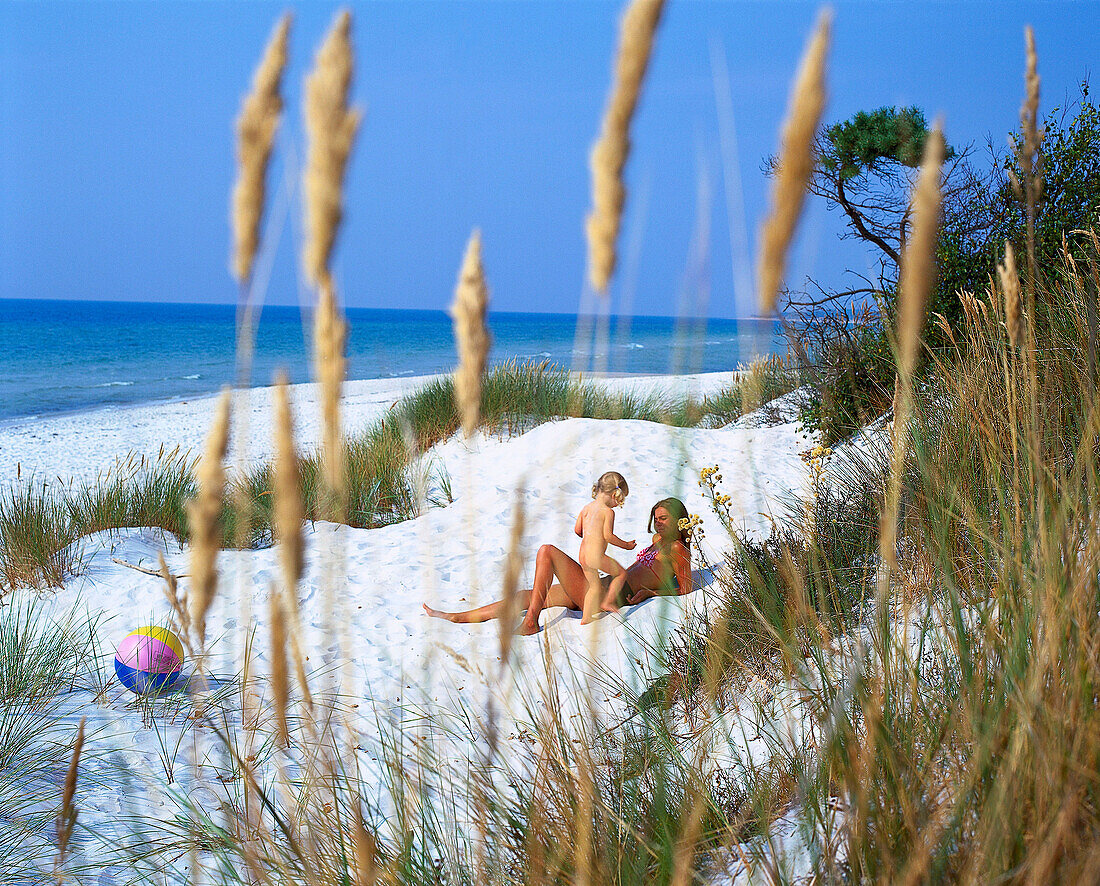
(78, 446)
(604, 376)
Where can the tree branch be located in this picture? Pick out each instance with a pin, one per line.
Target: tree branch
(857, 223)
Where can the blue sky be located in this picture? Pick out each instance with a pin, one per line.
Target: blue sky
(116, 146)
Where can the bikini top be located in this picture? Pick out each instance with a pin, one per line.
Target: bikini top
(648, 557)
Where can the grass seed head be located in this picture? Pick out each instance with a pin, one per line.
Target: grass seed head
(609, 154)
(1029, 112)
(366, 855)
(331, 128)
(918, 272)
(66, 818)
(256, 127)
(1010, 284)
(289, 513)
(280, 684)
(180, 611)
(288, 518)
(329, 337)
(513, 569)
(204, 520)
(795, 164)
(471, 334)
(918, 263)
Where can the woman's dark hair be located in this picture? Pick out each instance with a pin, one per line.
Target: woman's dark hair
(677, 512)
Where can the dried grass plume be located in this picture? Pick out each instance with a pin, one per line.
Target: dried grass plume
(66, 818)
(331, 128)
(280, 683)
(918, 273)
(1031, 166)
(330, 365)
(609, 154)
(513, 572)
(1010, 284)
(918, 263)
(204, 520)
(288, 511)
(288, 517)
(794, 165)
(471, 334)
(1029, 112)
(256, 127)
(181, 614)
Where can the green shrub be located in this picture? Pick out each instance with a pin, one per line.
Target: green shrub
(847, 362)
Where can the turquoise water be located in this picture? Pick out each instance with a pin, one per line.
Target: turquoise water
(66, 356)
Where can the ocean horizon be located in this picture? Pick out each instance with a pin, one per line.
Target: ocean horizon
(60, 356)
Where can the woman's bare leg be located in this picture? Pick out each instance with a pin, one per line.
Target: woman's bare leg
(478, 615)
(555, 595)
(551, 562)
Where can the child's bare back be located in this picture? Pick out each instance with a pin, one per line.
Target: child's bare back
(596, 520)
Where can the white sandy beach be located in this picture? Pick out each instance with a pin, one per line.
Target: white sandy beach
(81, 445)
(397, 665)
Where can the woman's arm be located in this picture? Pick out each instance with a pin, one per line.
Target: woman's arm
(681, 565)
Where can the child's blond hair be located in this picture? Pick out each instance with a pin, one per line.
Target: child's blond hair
(614, 483)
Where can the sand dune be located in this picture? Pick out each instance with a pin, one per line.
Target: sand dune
(369, 633)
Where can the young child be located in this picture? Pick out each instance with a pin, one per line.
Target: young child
(596, 527)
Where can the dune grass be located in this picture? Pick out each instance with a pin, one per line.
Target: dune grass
(764, 380)
(977, 741)
(40, 660)
(135, 493)
(36, 531)
(957, 736)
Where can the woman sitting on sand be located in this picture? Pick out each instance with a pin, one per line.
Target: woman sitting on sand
(662, 568)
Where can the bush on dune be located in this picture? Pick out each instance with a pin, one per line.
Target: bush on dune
(846, 360)
(846, 356)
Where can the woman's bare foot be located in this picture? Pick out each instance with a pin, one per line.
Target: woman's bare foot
(585, 620)
(608, 605)
(526, 629)
(436, 613)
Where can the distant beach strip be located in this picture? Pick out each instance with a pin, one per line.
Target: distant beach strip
(73, 356)
(78, 446)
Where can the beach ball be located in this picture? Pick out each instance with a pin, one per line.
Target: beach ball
(149, 660)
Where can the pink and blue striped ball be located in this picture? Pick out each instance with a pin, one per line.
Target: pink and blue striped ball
(149, 661)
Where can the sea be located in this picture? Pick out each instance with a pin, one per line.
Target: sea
(72, 356)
